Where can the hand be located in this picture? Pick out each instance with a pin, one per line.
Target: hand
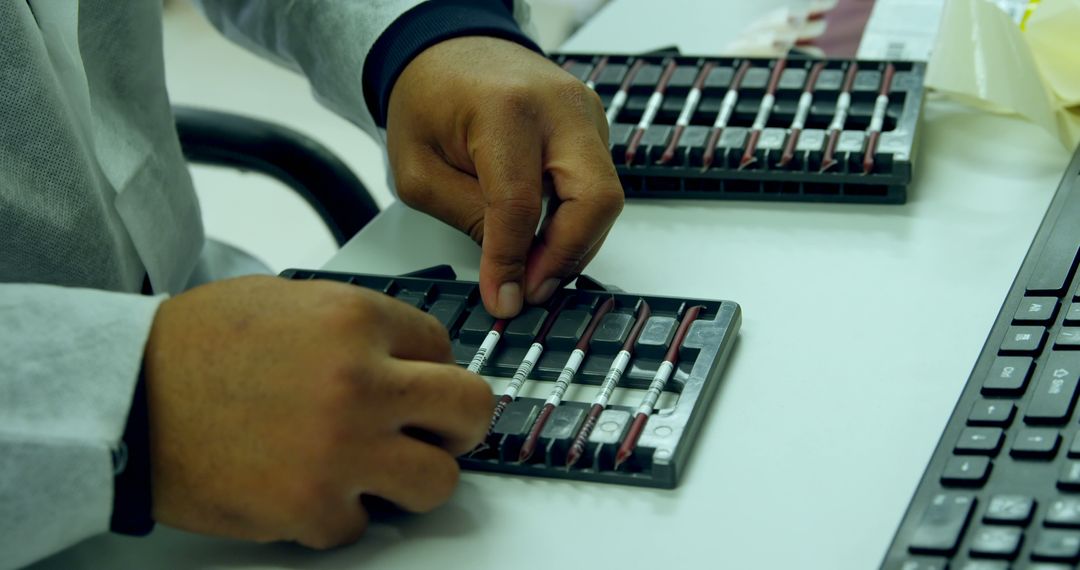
(274, 405)
(474, 127)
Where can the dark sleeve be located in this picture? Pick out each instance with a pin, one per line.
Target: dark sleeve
(424, 26)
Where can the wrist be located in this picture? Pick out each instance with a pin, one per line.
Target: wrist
(425, 25)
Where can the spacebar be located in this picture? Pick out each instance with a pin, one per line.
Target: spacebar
(1055, 267)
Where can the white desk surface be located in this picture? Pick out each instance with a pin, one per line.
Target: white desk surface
(861, 325)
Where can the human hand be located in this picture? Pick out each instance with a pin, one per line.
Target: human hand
(274, 405)
(474, 127)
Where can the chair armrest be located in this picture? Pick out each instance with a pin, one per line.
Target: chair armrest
(309, 168)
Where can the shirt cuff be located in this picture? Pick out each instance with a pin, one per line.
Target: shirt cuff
(424, 26)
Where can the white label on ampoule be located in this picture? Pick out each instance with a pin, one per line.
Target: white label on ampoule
(763, 111)
(726, 107)
(842, 104)
(486, 347)
(524, 369)
(616, 105)
(688, 109)
(657, 386)
(878, 117)
(650, 110)
(613, 376)
(566, 376)
(804, 109)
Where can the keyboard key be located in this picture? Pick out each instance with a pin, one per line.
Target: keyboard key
(991, 413)
(1074, 447)
(1056, 545)
(1023, 340)
(965, 471)
(1008, 376)
(1069, 479)
(1072, 317)
(1048, 566)
(447, 311)
(942, 524)
(1009, 509)
(984, 565)
(1035, 444)
(1054, 269)
(1063, 512)
(1036, 310)
(1068, 338)
(979, 441)
(923, 564)
(996, 541)
(1055, 390)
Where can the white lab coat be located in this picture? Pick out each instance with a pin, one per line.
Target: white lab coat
(95, 194)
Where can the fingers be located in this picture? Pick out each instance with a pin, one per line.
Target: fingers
(450, 403)
(459, 201)
(590, 197)
(509, 167)
(415, 476)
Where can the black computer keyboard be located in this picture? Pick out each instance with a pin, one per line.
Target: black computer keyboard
(1002, 490)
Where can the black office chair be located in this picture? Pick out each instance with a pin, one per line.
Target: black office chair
(309, 168)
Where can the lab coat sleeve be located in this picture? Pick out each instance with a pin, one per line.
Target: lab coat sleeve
(326, 40)
(70, 361)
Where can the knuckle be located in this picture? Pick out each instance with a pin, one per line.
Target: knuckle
(477, 396)
(569, 255)
(349, 310)
(412, 182)
(609, 200)
(476, 402)
(519, 99)
(435, 335)
(474, 227)
(575, 95)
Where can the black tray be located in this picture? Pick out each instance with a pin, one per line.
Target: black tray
(801, 179)
(664, 447)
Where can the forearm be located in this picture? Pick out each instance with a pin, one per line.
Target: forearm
(342, 46)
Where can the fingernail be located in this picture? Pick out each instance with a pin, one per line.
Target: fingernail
(508, 302)
(544, 291)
